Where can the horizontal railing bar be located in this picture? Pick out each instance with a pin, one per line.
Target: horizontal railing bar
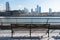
(32, 18)
(29, 22)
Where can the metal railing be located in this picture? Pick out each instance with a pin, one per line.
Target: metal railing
(30, 21)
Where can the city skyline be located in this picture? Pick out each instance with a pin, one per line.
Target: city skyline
(37, 10)
(20, 4)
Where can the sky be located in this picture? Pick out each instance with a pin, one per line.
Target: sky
(29, 4)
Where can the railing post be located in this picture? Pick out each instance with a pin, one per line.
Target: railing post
(48, 27)
(48, 31)
(1, 25)
(11, 31)
(30, 30)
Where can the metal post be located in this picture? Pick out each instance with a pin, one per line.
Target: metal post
(30, 30)
(48, 31)
(1, 24)
(48, 27)
(11, 32)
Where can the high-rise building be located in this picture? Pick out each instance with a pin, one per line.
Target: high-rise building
(35, 10)
(38, 9)
(7, 6)
(32, 11)
(25, 10)
(50, 10)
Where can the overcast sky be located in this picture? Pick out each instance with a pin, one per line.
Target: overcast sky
(20, 4)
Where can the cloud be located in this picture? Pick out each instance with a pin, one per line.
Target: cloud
(2, 7)
(20, 7)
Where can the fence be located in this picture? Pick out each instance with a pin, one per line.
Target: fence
(42, 33)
